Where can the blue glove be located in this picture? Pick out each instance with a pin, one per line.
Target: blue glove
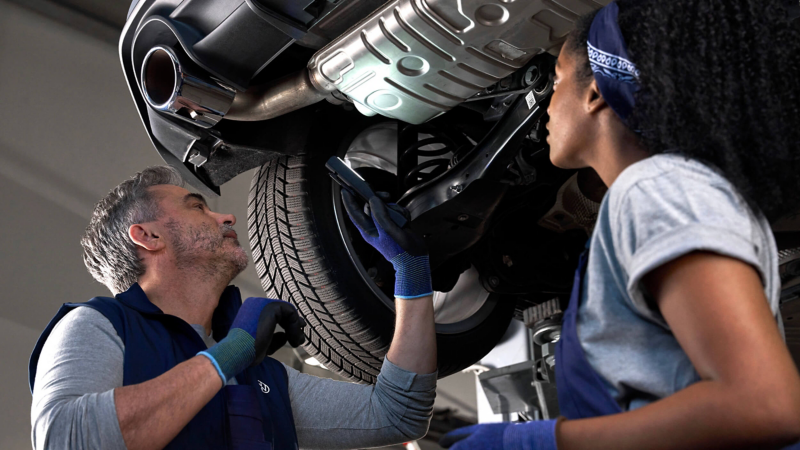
(400, 246)
(536, 435)
(252, 335)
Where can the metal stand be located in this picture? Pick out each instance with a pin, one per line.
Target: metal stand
(529, 388)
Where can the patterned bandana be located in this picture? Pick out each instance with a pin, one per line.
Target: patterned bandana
(616, 76)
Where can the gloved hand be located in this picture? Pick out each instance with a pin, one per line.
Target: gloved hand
(400, 246)
(536, 435)
(252, 335)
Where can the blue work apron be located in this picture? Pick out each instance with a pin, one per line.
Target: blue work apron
(256, 414)
(581, 392)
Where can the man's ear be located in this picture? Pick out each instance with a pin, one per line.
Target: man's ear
(145, 236)
(593, 99)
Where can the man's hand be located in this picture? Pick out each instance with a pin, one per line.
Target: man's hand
(152, 413)
(400, 246)
(414, 343)
(537, 435)
(252, 335)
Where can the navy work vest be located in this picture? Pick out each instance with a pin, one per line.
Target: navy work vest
(254, 415)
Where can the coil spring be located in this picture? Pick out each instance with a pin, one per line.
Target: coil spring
(416, 175)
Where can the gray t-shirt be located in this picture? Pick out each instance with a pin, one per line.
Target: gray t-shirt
(657, 210)
(82, 362)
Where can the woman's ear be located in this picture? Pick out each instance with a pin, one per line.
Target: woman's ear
(146, 236)
(593, 99)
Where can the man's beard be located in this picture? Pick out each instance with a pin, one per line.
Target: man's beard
(206, 250)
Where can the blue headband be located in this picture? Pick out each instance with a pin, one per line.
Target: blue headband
(616, 76)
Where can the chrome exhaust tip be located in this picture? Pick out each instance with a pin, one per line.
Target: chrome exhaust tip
(169, 86)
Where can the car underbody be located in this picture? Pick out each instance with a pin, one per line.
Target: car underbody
(439, 103)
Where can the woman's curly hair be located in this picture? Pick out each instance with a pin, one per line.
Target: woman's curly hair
(720, 82)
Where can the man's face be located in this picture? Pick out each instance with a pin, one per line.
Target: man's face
(568, 120)
(197, 237)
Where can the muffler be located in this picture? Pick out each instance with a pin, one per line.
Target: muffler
(410, 60)
(413, 60)
(173, 85)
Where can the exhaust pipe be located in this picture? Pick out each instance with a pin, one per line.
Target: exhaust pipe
(276, 98)
(170, 85)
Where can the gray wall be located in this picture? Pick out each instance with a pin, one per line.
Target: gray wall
(68, 133)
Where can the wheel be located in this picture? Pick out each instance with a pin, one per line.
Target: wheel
(305, 252)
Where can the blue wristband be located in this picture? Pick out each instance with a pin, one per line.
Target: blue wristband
(412, 276)
(233, 354)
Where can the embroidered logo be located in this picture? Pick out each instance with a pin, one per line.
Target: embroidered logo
(264, 387)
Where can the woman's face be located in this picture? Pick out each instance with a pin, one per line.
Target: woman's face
(569, 126)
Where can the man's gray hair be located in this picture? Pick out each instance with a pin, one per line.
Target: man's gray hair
(108, 252)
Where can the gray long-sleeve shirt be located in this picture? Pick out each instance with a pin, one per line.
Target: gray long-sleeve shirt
(82, 363)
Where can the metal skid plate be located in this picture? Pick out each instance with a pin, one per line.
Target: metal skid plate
(415, 59)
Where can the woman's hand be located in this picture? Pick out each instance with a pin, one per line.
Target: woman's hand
(538, 435)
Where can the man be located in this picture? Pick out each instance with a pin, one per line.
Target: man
(145, 370)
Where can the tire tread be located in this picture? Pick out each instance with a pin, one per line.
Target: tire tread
(292, 267)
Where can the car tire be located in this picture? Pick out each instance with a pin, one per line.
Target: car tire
(301, 257)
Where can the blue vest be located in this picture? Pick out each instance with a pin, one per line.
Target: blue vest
(254, 415)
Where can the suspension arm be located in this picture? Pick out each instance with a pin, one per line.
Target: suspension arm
(452, 211)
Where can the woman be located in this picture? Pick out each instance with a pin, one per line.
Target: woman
(689, 111)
